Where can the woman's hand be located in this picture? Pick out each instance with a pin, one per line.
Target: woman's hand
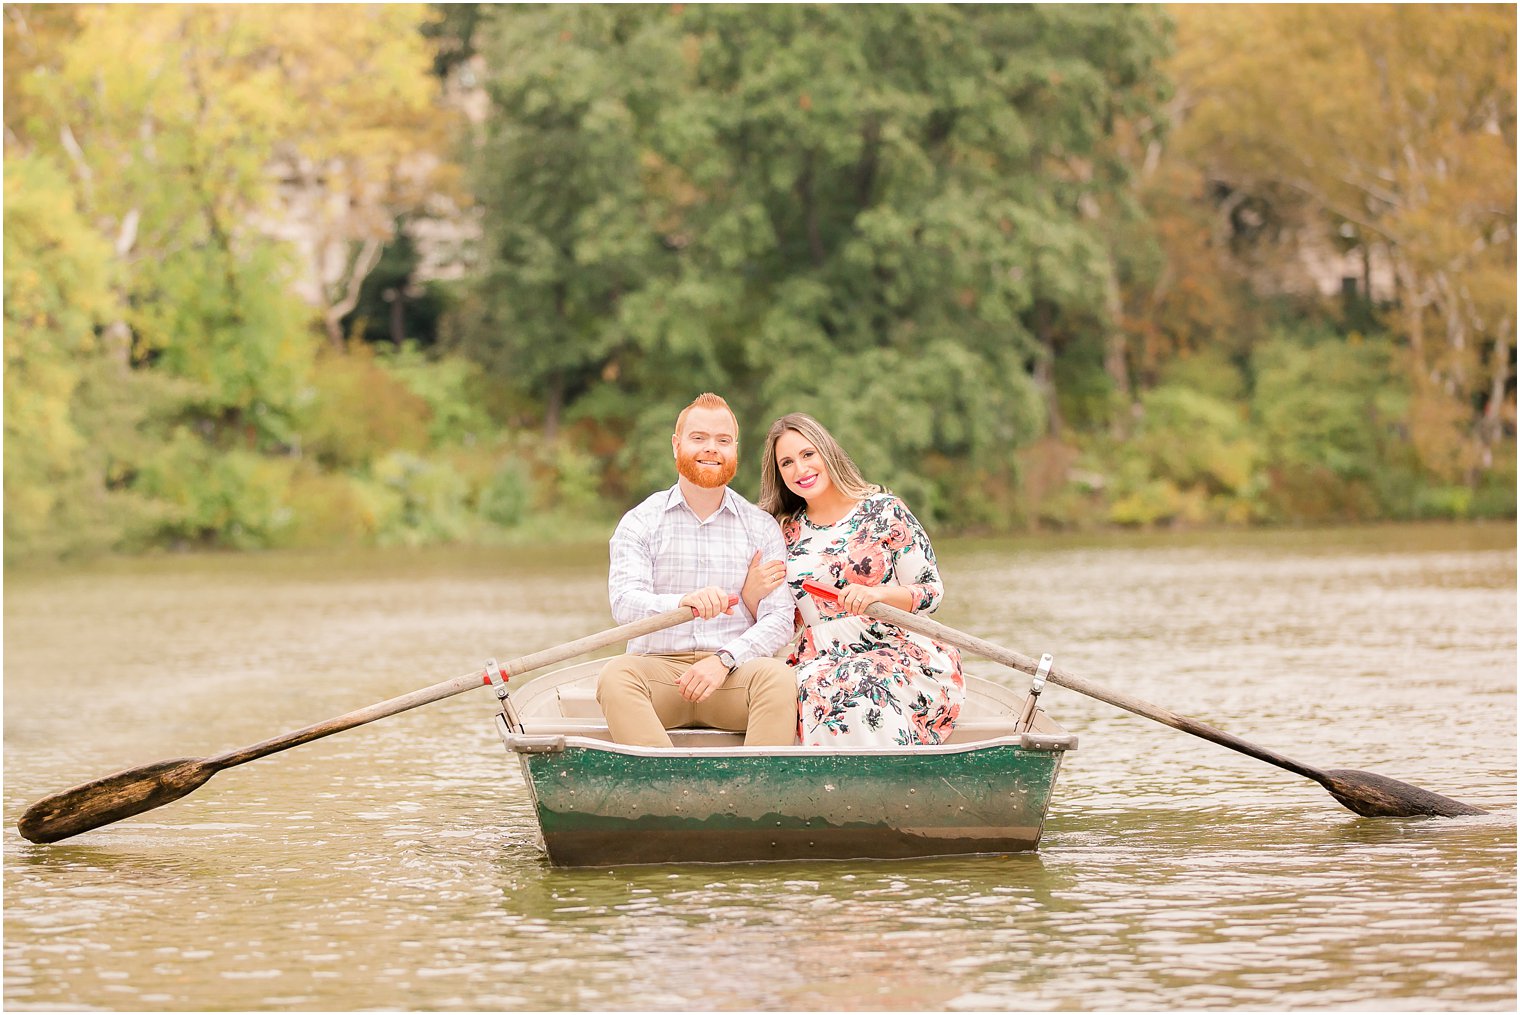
(858, 598)
(761, 580)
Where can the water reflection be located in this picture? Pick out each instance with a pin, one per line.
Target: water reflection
(395, 866)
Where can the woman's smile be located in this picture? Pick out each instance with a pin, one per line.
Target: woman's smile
(801, 466)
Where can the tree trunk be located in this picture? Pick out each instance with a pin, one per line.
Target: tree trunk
(554, 397)
(333, 314)
(810, 211)
(1412, 305)
(398, 319)
(1044, 372)
(1491, 430)
(1116, 352)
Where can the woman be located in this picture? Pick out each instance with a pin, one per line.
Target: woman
(862, 682)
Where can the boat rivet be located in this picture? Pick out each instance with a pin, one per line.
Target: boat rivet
(778, 825)
(912, 790)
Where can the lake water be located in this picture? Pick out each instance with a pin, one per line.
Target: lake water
(394, 866)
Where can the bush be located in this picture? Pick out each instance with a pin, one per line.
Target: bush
(1330, 413)
(507, 496)
(1326, 403)
(217, 498)
(434, 500)
(333, 510)
(454, 389)
(1148, 504)
(1194, 439)
(359, 412)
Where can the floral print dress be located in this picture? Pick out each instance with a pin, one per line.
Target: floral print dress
(861, 681)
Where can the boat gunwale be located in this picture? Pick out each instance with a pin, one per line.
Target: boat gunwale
(540, 743)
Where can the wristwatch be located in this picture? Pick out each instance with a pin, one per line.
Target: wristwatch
(727, 659)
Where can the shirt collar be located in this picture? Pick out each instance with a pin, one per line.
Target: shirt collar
(730, 504)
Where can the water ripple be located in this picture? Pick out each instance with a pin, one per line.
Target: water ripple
(396, 866)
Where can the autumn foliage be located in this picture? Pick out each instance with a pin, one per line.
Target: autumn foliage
(304, 275)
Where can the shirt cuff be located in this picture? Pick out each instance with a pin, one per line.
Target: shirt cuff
(664, 602)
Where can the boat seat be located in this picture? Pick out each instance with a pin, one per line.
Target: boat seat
(582, 717)
(579, 702)
(981, 729)
(695, 737)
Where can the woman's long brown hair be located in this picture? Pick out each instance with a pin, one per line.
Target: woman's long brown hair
(781, 502)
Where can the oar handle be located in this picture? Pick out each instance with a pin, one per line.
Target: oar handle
(950, 636)
(448, 688)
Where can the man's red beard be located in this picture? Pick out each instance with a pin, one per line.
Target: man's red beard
(687, 466)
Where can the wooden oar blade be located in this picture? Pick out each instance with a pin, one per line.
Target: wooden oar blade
(1377, 796)
(111, 798)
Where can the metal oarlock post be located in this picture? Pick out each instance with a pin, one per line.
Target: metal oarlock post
(499, 685)
(1026, 721)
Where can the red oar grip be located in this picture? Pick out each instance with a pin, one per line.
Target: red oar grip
(824, 592)
(732, 602)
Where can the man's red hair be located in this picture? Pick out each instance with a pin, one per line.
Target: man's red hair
(706, 400)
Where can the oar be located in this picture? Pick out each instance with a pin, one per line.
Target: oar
(1367, 793)
(135, 790)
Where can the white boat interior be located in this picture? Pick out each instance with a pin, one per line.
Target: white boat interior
(563, 703)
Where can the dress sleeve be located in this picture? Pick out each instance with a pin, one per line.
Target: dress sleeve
(913, 562)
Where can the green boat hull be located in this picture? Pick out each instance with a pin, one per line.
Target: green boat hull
(599, 804)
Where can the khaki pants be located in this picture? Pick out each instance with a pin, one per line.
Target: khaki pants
(639, 696)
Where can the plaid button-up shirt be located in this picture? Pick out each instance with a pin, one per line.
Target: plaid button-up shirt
(662, 550)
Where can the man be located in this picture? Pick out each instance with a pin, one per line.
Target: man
(691, 545)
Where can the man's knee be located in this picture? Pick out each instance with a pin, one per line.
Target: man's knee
(772, 678)
(620, 676)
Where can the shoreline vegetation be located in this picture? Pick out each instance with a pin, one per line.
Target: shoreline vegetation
(586, 544)
(282, 278)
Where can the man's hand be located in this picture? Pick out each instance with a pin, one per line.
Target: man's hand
(708, 602)
(704, 677)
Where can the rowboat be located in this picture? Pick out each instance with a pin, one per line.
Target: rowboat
(710, 799)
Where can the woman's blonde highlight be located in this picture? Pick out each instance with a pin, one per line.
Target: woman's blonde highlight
(779, 501)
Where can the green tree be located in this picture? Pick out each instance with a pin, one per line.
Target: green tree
(185, 139)
(886, 216)
(57, 294)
